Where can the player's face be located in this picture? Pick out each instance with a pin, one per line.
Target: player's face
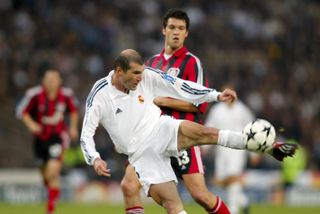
(175, 33)
(52, 81)
(132, 77)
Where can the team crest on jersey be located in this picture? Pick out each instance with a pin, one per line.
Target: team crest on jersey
(140, 99)
(173, 71)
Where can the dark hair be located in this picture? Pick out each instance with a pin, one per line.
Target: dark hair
(125, 58)
(177, 14)
(51, 69)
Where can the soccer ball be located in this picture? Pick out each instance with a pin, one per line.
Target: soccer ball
(259, 135)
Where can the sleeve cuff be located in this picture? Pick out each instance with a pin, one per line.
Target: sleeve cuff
(214, 96)
(95, 156)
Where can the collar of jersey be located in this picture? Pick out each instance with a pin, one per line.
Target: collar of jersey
(178, 53)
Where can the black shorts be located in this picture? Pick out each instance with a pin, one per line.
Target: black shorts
(189, 161)
(48, 149)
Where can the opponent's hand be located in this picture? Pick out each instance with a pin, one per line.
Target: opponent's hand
(100, 167)
(228, 95)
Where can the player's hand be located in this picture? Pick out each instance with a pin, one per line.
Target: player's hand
(281, 150)
(35, 128)
(100, 167)
(228, 95)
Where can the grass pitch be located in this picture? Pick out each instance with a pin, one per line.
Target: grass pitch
(73, 208)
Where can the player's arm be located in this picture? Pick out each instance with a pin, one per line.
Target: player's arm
(93, 115)
(31, 124)
(166, 102)
(25, 106)
(169, 86)
(73, 127)
(72, 105)
(195, 74)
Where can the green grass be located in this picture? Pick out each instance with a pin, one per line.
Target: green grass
(71, 208)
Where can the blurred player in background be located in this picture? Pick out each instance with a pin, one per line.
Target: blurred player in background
(43, 110)
(176, 60)
(229, 163)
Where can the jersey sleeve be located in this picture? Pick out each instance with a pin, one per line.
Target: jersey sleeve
(71, 101)
(197, 75)
(92, 117)
(27, 103)
(168, 86)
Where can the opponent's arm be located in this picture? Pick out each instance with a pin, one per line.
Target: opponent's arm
(32, 125)
(73, 127)
(166, 102)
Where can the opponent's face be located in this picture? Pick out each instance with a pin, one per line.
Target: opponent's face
(132, 77)
(51, 80)
(175, 33)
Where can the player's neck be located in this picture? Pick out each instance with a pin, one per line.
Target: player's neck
(169, 50)
(52, 94)
(116, 83)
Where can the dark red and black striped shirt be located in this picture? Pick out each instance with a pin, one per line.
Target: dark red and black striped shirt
(49, 113)
(184, 65)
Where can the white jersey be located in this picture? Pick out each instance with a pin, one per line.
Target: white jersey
(130, 118)
(233, 117)
(229, 162)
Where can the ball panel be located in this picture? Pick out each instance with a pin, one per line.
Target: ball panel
(259, 135)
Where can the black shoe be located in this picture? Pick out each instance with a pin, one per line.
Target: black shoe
(281, 150)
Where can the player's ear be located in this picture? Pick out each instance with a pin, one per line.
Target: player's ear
(163, 31)
(118, 69)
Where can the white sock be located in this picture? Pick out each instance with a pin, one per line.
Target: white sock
(182, 212)
(231, 139)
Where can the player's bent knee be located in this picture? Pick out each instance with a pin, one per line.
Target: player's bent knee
(129, 186)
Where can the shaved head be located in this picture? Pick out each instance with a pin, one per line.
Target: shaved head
(126, 57)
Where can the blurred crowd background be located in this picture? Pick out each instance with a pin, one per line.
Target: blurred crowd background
(268, 50)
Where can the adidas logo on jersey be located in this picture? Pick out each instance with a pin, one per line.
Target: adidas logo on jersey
(118, 111)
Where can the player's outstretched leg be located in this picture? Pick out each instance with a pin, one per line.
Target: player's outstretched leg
(192, 134)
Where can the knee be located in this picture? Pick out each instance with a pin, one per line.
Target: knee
(130, 186)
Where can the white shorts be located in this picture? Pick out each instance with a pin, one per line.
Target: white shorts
(152, 162)
(229, 162)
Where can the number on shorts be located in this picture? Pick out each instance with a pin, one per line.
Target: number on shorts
(183, 158)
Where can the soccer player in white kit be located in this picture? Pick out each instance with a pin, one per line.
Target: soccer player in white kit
(230, 163)
(122, 103)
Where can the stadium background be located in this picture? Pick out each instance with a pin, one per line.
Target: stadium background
(269, 50)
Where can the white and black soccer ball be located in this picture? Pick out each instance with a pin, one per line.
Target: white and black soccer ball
(259, 135)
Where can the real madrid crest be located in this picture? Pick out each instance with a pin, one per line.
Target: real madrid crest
(140, 99)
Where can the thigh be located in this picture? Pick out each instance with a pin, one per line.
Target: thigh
(192, 134)
(152, 167)
(188, 161)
